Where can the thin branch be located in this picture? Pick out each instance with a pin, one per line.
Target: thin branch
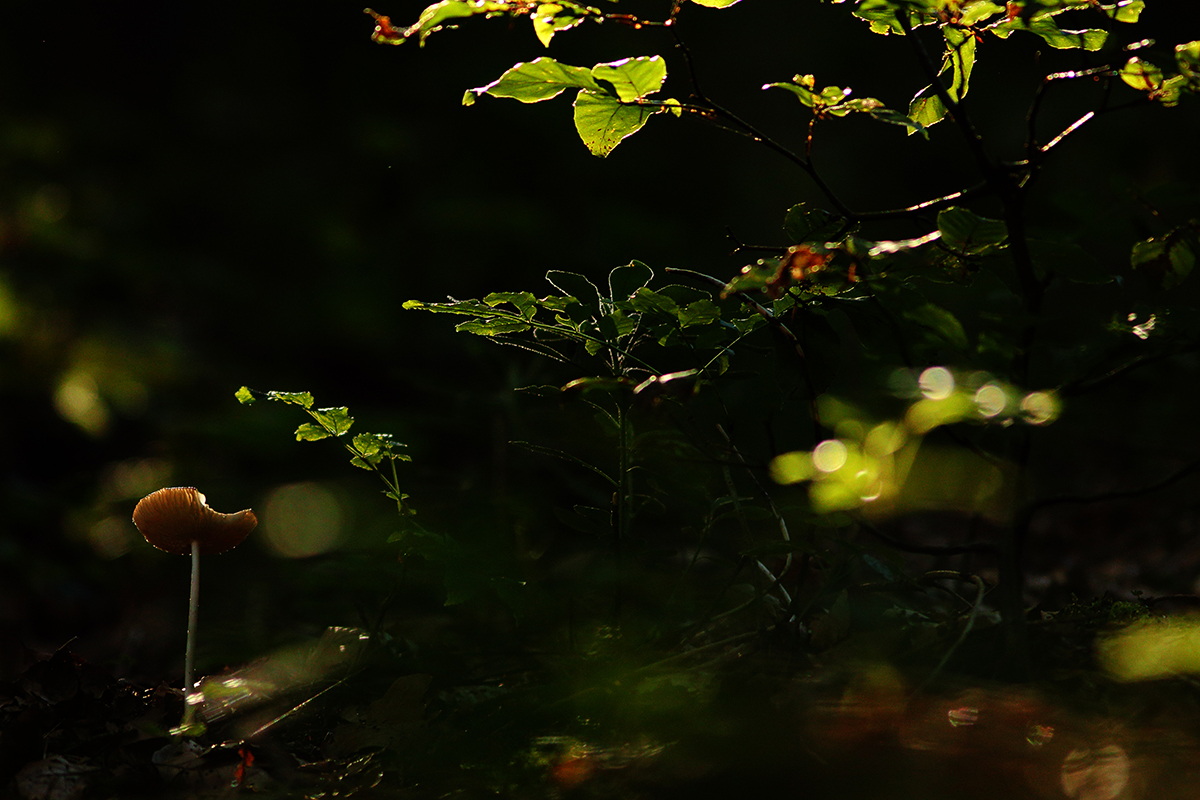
(753, 132)
(930, 550)
(927, 206)
(1120, 494)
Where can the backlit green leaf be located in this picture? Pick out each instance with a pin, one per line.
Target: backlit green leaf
(882, 15)
(968, 232)
(577, 286)
(538, 80)
(309, 432)
(624, 281)
(550, 18)
(700, 312)
(525, 302)
(1125, 10)
(633, 78)
(303, 399)
(1141, 75)
(651, 302)
(1187, 57)
(603, 121)
(335, 420)
(492, 327)
(805, 94)
(433, 16)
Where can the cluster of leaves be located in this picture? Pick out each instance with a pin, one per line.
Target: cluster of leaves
(465, 572)
(377, 452)
(951, 314)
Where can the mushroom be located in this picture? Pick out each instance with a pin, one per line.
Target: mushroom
(179, 521)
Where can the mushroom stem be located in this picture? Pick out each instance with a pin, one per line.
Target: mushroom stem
(189, 658)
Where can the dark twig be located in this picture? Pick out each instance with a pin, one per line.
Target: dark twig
(1120, 494)
(930, 550)
(753, 132)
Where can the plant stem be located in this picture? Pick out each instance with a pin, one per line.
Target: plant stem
(624, 498)
(189, 659)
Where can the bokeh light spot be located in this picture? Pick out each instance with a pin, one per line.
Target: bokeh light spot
(112, 537)
(937, 383)
(302, 520)
(829, 455)
(1039, 408)
(77, 399)
(991, 399)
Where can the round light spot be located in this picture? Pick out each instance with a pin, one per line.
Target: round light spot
(991, 399)
(829, 455)
(1039, 408)
(302, 519)
(78, 400)
(937, 383)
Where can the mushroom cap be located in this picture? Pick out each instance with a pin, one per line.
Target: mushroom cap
(171, 519)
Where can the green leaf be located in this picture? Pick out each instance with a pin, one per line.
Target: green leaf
(960, 56)
(975, 12)
(537, 80)
(603, 122)
(893, 117)
(805, 93)
(311, 433)
(1166, 261)
(802, 223)
(969, 233)
(1043, 24)
(245, 396)
(577, 286)
(374, 447)
(1125, 10)
(335, 420)
(650, 302)
(303, 399)
(927, 108)
(633, 78)
(495, 326)
(624, 281)
(1187, 57)
(1141, 75)
(882, 15)
(550, 18)
(940, 322)
(700, 312)
(433, 16)
(525, 302)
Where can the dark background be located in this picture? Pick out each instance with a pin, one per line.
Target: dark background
(193, 199)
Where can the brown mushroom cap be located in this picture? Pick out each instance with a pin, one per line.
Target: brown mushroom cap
(171, 519)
